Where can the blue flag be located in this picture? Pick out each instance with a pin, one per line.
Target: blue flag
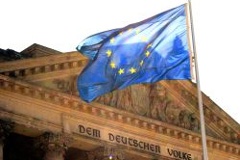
(144, 52)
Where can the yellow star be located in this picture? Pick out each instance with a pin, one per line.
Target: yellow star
(147, 53)
(113, 65)
(137, 31)
(112, 40)
(144, 39)
(141, 63)
(120, 71)
(130, 29)
(150, 45)
(133, 70)
(109, 53)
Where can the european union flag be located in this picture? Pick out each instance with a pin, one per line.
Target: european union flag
(144, 52)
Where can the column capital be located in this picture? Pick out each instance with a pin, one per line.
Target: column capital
(106, 152)
(54, 141)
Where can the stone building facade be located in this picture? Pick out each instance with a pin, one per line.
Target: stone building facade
(43, 118)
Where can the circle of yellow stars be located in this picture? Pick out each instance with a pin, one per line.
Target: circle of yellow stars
(132, 70)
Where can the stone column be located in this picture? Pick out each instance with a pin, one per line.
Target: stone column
(107, 153)
(5, 129)
(97, 154)
(54, 145)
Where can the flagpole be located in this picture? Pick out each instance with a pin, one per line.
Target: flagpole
(200, 103)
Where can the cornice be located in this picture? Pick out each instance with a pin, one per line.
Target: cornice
(221, 122)
(30, 122)
(72, 104)
(45, 64)
(191, 88)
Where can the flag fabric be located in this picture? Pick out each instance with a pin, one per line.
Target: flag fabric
(143, 52)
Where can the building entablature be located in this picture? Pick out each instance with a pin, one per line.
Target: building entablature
(49, 110)
(55, 67)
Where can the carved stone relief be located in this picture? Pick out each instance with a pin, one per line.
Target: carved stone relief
(66, 85)
(153, 101)
(133, 99)
(159, 102)
(189, 120)
(63, 85)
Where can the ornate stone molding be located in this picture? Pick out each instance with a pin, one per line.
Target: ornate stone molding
(222, 129)
(95, 110)
(30, 122)
(53, 63)
(73, 61)
(155, 102)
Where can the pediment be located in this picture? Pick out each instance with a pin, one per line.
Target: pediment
(171, 102)
(175, 103)
(37, 50)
